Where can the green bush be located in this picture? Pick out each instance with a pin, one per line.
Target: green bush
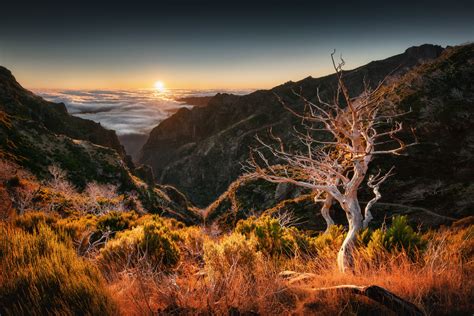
(116, 221)
(76, 227)
(41, 276)
(272, 238)
(159, 242)
(50, 199)
(328, 243)
(231, 252)
(192, 241)
(400, 236)
(153, 241)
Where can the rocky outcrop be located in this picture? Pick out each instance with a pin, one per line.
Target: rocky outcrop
(200, 150)
(196, 101)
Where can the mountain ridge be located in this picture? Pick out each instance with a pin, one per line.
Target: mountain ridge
(432, 182)
(190, 151)
(19, 101)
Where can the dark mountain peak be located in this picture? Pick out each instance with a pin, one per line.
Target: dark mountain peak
(5, 73)
(9, 85)
(425, 50)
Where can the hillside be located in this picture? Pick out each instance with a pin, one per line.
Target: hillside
(435, 175)
(200, 150)
(24, 104)
(36, 134)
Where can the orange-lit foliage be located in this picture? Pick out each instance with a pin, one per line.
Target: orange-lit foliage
(153, 264)
(41, 275)
(236, 278)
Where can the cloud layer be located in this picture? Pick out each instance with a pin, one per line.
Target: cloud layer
(125, 111)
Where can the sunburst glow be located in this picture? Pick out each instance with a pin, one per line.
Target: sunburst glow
(159, 86)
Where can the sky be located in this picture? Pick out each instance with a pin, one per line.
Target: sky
(212, 44)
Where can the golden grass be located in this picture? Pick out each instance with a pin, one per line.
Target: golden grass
(41, 275)
(156, 265)
(438, 281)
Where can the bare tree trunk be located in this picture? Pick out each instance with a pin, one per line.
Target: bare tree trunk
(345, 257)
(367, 213)
(325, 211)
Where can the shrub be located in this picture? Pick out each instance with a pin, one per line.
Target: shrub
(123, 250)
(171, 223)
(31, 221)
(398, 237)
(77, 226)
(328, 243)
(116, 221)
(272, 238)
(53, 200)
(231, 252)
(159, 243)
(192, 241)
(401, 236)
(152, 243)
(40, 276)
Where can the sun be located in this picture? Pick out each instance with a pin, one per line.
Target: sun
(159, 86)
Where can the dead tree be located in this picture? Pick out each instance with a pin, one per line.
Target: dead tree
(354, 131)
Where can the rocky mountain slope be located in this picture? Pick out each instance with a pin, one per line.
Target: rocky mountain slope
(200, 150)
(433, 183)
(54, 116)
(36, 134)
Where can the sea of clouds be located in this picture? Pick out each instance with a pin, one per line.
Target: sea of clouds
(131, 113)
(126, 112)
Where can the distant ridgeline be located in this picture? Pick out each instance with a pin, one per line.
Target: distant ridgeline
(36, 134)
(200, 150)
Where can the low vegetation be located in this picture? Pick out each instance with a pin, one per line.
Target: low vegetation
(40, 274)
(70, 252)
(131, 263)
